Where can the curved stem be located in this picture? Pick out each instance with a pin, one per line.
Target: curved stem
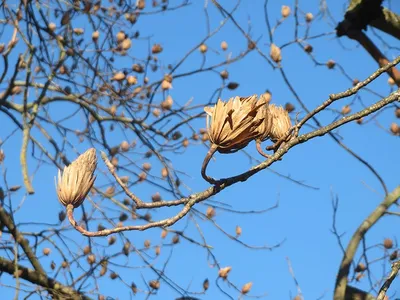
(260, 150)
(210, 154)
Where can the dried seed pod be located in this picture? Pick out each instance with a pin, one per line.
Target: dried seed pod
(164, 233)
(164, 172)
(309, 17)
(52, 27)
(360, 268)
(14, 188)
(308, 48)
(165, 85)
(232, 85)
(210, 213)
(46, 251)
(147, 244)
(77, 179)
(91, 259)
(141, 4)
(289, 107)
(146, 166)
(388, 243)
(391, 81)
(395, 128)
(111, 240)
(185, 142)
(118, 76)
(397, 112)
(113, 275)
(95, 36)
(142, 176)
(100, 227)
(243, 115)
(206, 284)
(224, 45)
(126, 249)
(64, 264)
(124, 146)
(16, 90)
(120, 36)
(223, 272)
(175, 239)
(346, 109)
(355, 81)
(2, 47)
(123, 217)
(154, 284)
(126, 44)
(167, 103)
(157, 250)
(285, 11)
(203, 48)
(247, 287)
(393, 255)
(156, 197)
(156, 112)
(359, 121)
(132, 80)
(157, 48)
(114, 161)
(137, 68)
(61, 216)
(110, 191)
(134, 288)
(79, 31)
(280, 122)
(195, 137)
(238, 231)
(330, 64)
(275, 53)
(86, 250)
(224, 74)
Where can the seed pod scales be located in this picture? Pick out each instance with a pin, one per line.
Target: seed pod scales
(266, 126)
(77, 179)
(280, 122)
(232, 125)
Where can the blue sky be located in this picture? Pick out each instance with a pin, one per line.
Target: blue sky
(303, 219)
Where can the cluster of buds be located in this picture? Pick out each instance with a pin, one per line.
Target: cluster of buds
(232, 125)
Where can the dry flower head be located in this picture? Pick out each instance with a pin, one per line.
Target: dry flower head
(280, 122)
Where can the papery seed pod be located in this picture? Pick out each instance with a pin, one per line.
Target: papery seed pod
(195, 137)
(176, 135)
(64, 264)
(61, 216)
(100, 227)
(101, 297)
(118, 76)
(126, 44)
(206, 284)
(275, 53)
(391, 81)
(355, 81)
(289, 107)
(142, 176)
(224, 74)
(123, 217)
(175, 239)
(14, 188)
(238, 231)
(280, 122)
(114, 161)
(205, 137)
(95, 36)
(77, 179)
(224, 45)
(346, 109)
(388, 243)
(309, 17)
(154, 284)
(360, 268)
(308, 48)
(164, 233)
(46, 251)
(396, 113)
(91, 259)
(285, 11)
(232, 85)
(124, 146)
(156, 112)
(132, 80)
(147, 244)
(109, 192)
(146, 166)
(120, 36)
(52, 27)
(164, 172)
(185, 142)
(113, 110)
(86, 250)
(16, 90)
(157, 48)
(395, 128)
(134, 288)
(137, 68)
(111, 240)
(167, 103)
(251, 45)
(113, 275)
(210, 213)
(141, 4)
(156, 197)
(359, 276)
(359, 121)
(330, 64)
(223, 272)
(157, 250)
(127, 248)
(393, 255)
(203, 48)
(247, 287)
(2, 47)
(79, 31)
(165, 85)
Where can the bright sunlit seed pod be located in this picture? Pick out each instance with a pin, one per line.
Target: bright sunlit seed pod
(275, 53)
(346, 109)
(224, 45)
(185, 143)
(46, 251)
(120, 36)
(167, 103)
(157, 48)
(77, 179)
(238, 231)
(146, 166)
(388, 243)
(280, 122)
(95, 36)
(265, 127)
(247, 287)
(91, 259)
(164, 172)
(110, 191)
(391, 81)
(142, 176)
(203, 48)
(210, 213)
(79, 31)
(395, 128)
(118, 76)
(126, 44)
(154, 284)
(165, 85)
(285, 11)
(156, 112)
(64, 264)
(223, 272)
(164, 233)
(309, 17)
(132, 80)
(233, 124)
(141, 4)
(124, 146)
(330, 64)
(52, 27)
